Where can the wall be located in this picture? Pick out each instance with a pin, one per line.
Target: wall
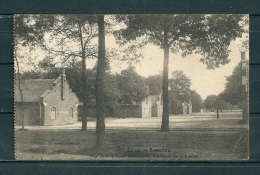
(131, 111)
(31, 114)
(118, 112)
(146, 108)
(159, 105)
(63, 115)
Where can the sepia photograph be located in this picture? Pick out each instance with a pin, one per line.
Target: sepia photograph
(131, 87)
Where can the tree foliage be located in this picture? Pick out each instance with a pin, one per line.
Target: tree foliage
(131, 86)
(179, 91)
(208, 35)
(216, 102)
(210, 102)
(180, 85)
(197, 102)
(234, 92)
(154, 83)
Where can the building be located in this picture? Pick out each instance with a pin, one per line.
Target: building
(45, 102)
(187, 107)
(152, 106)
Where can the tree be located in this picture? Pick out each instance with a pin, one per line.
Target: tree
(197, 102)
(112, 93)
(154, 82)
(179, 90)
(217, 102)
(180, 84)
(234, 91)
(132, 87)
(58, 35)
(220, 103)
(19, 82)
(208, 35)
(99, 86)
(210, 102)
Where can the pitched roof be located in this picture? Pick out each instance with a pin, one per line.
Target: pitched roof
(32, 89)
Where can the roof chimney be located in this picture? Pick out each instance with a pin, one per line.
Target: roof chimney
(63, 81)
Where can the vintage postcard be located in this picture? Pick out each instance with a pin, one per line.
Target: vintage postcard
(131, 87)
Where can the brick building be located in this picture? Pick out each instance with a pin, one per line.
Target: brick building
(46, 102)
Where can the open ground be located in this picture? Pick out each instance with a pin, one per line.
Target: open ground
(193, 137)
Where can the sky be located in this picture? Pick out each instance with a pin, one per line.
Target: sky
(205, 82)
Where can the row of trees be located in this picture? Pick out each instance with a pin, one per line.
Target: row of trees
(124, 88)
(233, 96)
(208, 35)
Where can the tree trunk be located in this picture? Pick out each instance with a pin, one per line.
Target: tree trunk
(20, 90)
(99, 90)
(245, 112)
(85, 92)
(165, 116)
(124, 112)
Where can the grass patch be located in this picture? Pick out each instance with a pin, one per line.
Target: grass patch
(133, 145)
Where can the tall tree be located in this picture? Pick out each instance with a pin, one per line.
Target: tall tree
(197, 102)
(99, 87)
(18, 82)
(180, 84)
(179, 92)
(154, 82)
(210, 102)
(132, 87)
(234, 92)
(208, 35)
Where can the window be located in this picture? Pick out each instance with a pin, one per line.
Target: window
(53, 113)
(146, 100)
(70, 112)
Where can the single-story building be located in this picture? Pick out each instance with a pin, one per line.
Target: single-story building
(187, 107)
(152, 106)
(178, 107)
(45, 102)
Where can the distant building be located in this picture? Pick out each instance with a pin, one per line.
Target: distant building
(187, 107)
(179, 107)
(152, 106)
(46, 102)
